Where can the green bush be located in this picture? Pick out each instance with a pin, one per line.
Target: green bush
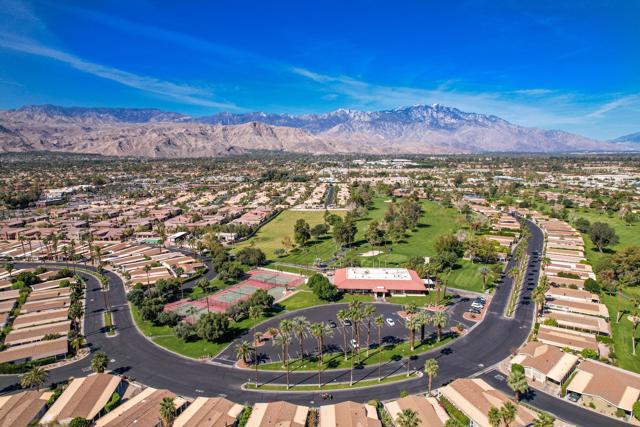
(589, 353)
(54, 396)
(620, 413)
(79, 422)
(244, 415)
(517, 368)
(636, 410)
(113, 402)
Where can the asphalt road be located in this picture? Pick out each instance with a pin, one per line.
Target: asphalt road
(131, 354)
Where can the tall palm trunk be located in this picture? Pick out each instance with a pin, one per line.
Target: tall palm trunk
(379, 354)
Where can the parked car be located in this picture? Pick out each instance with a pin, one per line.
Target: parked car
(390, 321)
(477, 305)
(354, 343)
(475, 310)
(332, 324)
(346, 322)
(572, 396)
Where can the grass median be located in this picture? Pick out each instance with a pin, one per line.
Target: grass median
(332, 386)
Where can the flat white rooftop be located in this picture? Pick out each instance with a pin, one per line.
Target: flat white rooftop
(360, 273)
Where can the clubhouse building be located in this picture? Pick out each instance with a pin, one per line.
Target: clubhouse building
(381, 282)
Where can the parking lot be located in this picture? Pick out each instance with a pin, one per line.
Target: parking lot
(393, 330)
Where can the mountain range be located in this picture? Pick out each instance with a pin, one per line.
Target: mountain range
(151, 132)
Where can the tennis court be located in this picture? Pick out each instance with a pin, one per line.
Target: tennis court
(274, 282)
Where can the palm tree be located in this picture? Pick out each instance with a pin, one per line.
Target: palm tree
(319, 331)
(379, 322)
(9, 266)
(167, 411)
(147, 269)
(410, 309)
(411, 324)
(299, 325)
(99, 362)
(342, 316)
(539, 298)
(484, 273)
(518, 383)
(494, 416)
(77, 343)
(439, 320)
(368, 312)
(635, 321)
(243, 351)
(21, 239)
(408, 418)
(423, 320)
(544, 420)
(285, 339)
(255, 312)
(356, 316)
(35, 377)
(508, 413)
(431, 369)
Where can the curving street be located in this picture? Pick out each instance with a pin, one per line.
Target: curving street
(474, 354)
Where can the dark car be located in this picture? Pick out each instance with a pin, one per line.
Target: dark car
(332, 324)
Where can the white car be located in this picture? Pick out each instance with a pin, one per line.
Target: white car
(354, 343)
(390, 321)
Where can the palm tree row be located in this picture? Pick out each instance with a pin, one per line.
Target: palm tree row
(418, 319)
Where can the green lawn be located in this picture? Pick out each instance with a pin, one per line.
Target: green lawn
(269, 238)
(305, 298)
(436, 220)
(622, 332)
(337, 360)
(430, 299)
(467, 276)
(629, 235)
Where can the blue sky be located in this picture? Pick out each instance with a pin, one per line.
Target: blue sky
(572, 65)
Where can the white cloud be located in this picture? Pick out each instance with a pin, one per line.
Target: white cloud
(180, 92)
(614, 104)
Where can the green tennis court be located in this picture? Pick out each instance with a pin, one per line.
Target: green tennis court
(236, 293)
(273, 278)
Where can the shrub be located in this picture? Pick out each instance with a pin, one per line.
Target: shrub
(251, 256)
(592, 286)
(620, 413)
(54, 396)
(136, 296)
(244, 415)
(589, 353)
(550, 322)
(404, 393)
(322, 288)
(113, 402)
(79, 422)
(170, 318)
(516, 367)
(61, 274)
(213, 326)
(185, 331)
(636, 410)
